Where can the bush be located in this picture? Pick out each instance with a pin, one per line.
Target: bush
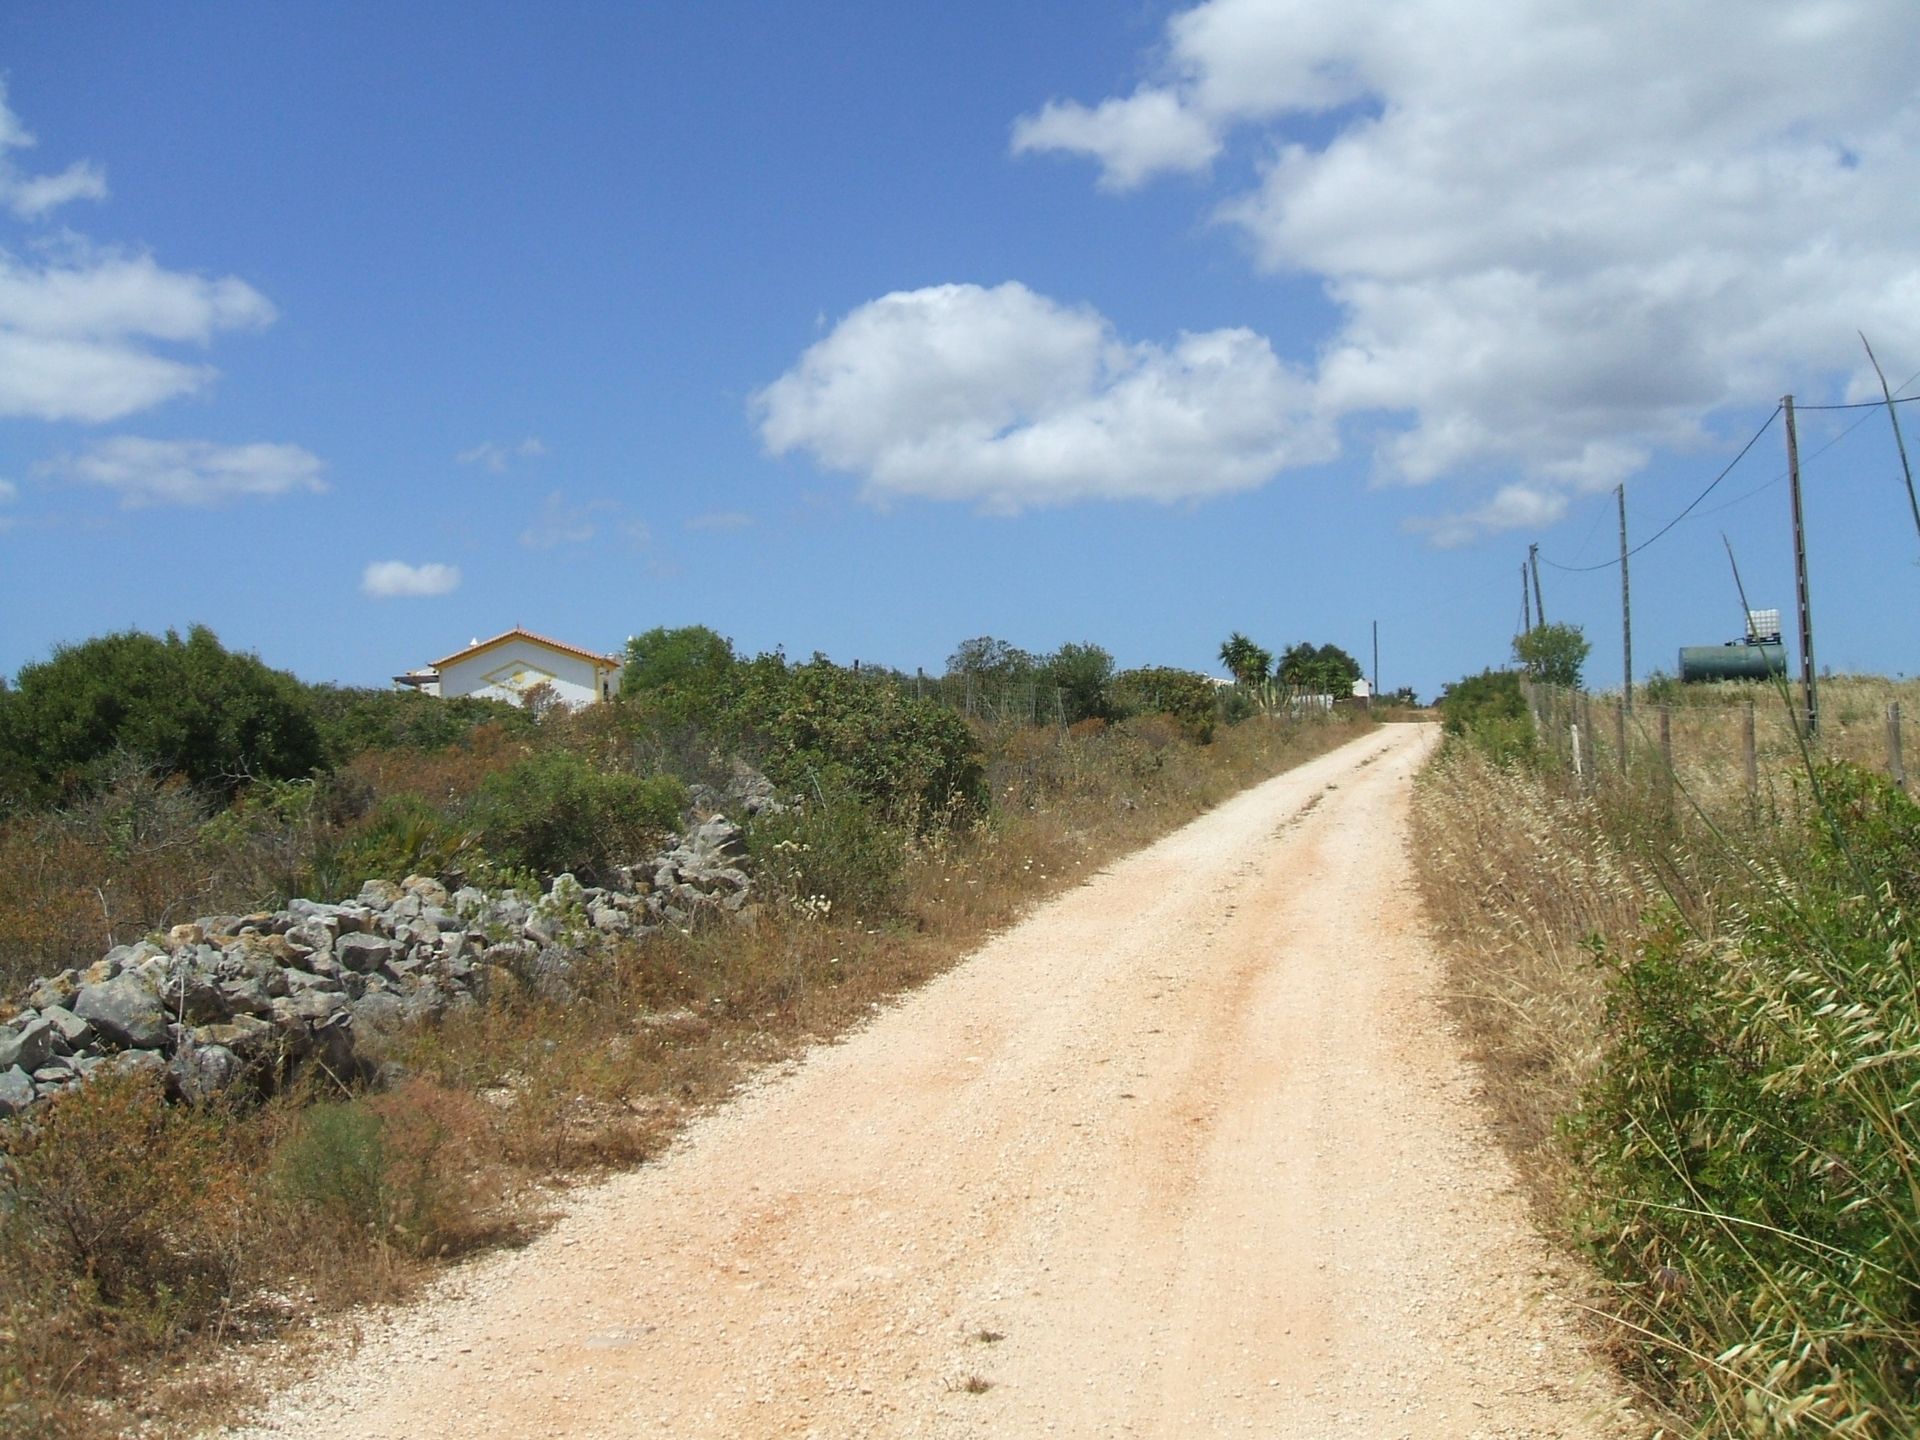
(188, 707)
(392, 1168)
(1163, 690)
(555, 812)
(682, 676)
(353, 720)
(831, 857)
(405, 835)
(1750, 1144)
(1083, 675)
(1489, 710)
(135, 1199)
(823, 731)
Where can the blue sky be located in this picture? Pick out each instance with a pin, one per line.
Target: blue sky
(357, 331)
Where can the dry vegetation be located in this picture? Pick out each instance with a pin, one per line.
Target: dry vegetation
(1696, 1012)
(146, 1235)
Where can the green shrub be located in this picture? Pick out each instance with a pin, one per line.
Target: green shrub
(392, 1168)
(831, 857)
(1083, 676)
(1490, 710)
(333, 1166)
(683, 676)
(405, 835)
(1750, 1143)
(188, 707)
(821, 730)
(1185, 695)
(353, 720)
(555, 812)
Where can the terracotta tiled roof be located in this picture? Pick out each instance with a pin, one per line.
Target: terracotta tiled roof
(519, 634)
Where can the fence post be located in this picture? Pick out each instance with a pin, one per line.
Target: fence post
(1896, 765)
(1752, 750)
(1579, 769)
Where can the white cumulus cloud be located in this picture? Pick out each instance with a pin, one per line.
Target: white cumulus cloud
(189, 472)
(395, 579)
(79, 324)
(1559, 237)
(76, 332)
(1513, 507)
(1133, 139)
(1006, 399)
(32, 196)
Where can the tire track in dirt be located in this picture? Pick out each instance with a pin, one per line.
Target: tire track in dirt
(1192, 1142)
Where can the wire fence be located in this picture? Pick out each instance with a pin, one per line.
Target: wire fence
(1729, 745)
(1032, 702)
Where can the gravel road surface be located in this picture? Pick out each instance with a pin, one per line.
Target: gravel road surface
(1191, 1151)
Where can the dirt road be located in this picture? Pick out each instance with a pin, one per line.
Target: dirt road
(1189, 1152)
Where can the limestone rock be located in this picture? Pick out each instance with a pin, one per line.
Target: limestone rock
(125, 1012)
(29, 1046)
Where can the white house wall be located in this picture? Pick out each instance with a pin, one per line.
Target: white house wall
(508, 670)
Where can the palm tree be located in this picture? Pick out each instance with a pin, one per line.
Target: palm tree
(1245, 661)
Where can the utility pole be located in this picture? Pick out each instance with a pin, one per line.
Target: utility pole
(1626, 605)
(1807, 684)
(1539, 605)
(1376, 658)
(1526, 603)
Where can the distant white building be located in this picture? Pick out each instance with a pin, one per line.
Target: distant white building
(1362, 690)
(515, 662)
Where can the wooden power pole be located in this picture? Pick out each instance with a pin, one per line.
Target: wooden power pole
(1807, 683)
(1539, 605)
(1526, 602)
(1626, 607)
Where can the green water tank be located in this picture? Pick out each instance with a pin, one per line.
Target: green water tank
(1734, 660)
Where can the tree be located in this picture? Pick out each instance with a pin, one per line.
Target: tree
(1245, 661)
(1319, 669)
(187, 707)
(992, 662)
(689, 655)
(679, 674)
(1552, 654)
(1082, 674)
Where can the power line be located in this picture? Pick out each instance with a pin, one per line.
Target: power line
(1781, 478)
(1765, 426)
(1863, 404)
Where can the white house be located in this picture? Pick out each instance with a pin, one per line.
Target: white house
(514, 662)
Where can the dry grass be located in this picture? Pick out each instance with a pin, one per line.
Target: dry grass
(330, 1200)
(1516, 881)
(1674, 948)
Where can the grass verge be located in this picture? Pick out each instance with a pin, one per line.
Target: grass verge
(1698, 1021)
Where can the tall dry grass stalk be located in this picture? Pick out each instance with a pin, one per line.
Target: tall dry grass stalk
(1696, 1008)
(1518, 879)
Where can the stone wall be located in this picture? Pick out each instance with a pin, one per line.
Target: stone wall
(232, 1000)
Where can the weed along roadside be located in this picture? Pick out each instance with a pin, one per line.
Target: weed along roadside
(1691, 981)
(152, 1240)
